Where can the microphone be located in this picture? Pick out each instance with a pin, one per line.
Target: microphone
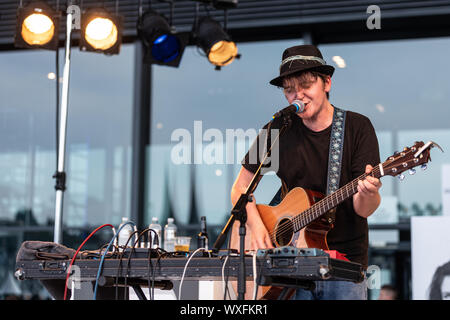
(296, 107)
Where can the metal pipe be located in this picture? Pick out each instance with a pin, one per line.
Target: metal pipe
(57, 236)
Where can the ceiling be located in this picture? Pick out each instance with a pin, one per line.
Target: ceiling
(327, 21)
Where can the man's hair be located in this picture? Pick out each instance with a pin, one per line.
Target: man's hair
(305, 78)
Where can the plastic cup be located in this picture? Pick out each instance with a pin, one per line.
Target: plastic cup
(182, 244)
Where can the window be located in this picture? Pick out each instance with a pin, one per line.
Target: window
(203, 103)
(98, 148)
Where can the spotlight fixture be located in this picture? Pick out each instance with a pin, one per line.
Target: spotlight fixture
(163, 45)
(37, 26)
(215, 42)
(101, 31)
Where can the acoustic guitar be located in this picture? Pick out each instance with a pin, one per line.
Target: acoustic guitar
(299, 219)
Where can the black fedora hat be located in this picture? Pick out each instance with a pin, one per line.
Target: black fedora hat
(301, 58)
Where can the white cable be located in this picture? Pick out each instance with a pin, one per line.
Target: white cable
(185, 267)
(223, 276)
(254, 275)
(255, 291)
(114, 235)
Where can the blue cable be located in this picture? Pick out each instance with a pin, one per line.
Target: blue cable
(104, 254)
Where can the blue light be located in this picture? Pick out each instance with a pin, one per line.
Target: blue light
(160, 39)
(166, 48)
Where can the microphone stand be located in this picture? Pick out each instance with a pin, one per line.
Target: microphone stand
(239, 213)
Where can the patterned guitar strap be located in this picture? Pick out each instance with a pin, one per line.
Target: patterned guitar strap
(335, 157)
(334, 165)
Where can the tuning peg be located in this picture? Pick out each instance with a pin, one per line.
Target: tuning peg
(412, 171)
(423, 166)
(401, 177)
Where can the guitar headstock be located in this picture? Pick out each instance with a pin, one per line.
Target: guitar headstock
(408, 158)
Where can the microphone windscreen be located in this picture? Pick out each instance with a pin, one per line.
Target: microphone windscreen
(300, 106)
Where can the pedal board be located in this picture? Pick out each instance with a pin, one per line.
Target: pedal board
(289, 251)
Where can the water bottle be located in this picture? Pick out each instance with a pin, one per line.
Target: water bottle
(170, 232)
(155, 241)
(124, 234)
(202, 237)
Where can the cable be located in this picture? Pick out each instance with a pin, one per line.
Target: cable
(151, 284)
(185, 268)
(133, 249)
(255, 286)
(228, 274)
(104, 254)
(224, 285)
(119, 269)
(76, 253)
(147, 230)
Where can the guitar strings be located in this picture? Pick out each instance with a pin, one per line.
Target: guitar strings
(317, 207)
(301, 220)
(306, 217)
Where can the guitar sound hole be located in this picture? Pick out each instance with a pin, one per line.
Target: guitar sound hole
(285, 231)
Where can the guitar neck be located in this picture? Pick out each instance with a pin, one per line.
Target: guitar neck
(329, 202)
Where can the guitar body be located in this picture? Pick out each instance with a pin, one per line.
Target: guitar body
(295, 202)
(277, 218)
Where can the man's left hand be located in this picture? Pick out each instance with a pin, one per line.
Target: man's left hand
(370, 185)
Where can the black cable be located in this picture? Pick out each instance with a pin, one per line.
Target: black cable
(119, 268)
(171, 13)
(140, 10)
(149, 282)
(228, 273)
(133, 250)
(160, 252)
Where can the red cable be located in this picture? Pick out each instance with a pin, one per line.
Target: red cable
(76, 253)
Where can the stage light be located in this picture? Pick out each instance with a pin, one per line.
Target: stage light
(100, 31)
(162, 45)
(215, 42)
(37, 26)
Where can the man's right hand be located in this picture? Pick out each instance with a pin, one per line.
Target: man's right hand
(260, 235)
(260, 238)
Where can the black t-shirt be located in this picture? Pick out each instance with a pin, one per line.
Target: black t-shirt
(303, 162)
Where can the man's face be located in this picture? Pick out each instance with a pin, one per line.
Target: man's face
(311, 91)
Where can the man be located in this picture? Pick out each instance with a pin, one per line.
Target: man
(303, 162)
